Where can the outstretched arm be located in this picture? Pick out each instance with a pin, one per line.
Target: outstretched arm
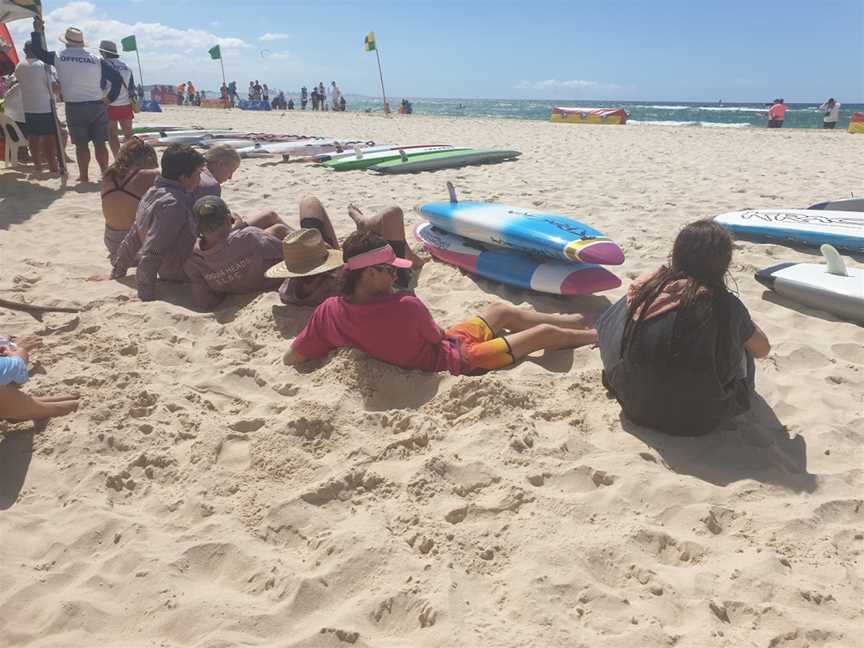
(36, 39)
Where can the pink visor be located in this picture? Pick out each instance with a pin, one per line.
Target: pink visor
(382, 256)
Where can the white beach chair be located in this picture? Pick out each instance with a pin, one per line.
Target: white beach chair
(14, 139)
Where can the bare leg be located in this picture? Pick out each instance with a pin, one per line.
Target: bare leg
(548, 337)
(113, 138)
(82, 155)
(506, 317)
(101, 155)
(15, 404)
(48, 144)
(126, 126)
(265, 219)
(35, 151)
(312, 209)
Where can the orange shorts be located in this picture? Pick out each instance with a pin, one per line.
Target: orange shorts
(480, 349)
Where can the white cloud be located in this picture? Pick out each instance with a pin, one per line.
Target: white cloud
(273, 36)
(168, 53)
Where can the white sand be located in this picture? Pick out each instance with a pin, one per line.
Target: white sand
(205, 495)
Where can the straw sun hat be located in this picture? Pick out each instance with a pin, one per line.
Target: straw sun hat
(305, 254)
(74, 38)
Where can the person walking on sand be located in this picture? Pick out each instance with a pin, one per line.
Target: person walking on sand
(120, 111)
(678, 349)
(831, 111)
(777, 113)
(36, 101)
(83, 75)
(397, 328)
(14, 371)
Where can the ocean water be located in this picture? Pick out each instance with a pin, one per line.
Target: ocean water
(660, 113)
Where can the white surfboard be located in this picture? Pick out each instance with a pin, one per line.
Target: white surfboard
(283, 148)
(831, 287)
(842, 229)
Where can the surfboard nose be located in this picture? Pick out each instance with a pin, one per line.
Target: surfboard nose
(589, 280)
(600, 252)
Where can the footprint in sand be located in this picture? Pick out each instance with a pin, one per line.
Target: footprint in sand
(234, 454)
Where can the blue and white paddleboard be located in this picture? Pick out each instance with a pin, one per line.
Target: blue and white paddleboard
(550, 235)
(515, 268)
(842, 229)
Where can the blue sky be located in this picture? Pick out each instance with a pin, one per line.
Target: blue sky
(551, 49)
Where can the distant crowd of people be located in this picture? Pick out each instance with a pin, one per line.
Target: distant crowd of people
(187, 95)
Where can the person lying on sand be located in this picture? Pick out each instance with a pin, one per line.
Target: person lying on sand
(308, 283)
(124, 183)
(678, 349)
(397, 328)
(14, 371)
(226, 260)
(163, 235)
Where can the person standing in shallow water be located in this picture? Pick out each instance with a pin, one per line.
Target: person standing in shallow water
(678, 350)
(831, 113)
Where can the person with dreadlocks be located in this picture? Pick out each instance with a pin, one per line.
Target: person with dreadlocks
(678, 349)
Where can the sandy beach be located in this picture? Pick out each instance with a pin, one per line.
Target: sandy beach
(205, 495)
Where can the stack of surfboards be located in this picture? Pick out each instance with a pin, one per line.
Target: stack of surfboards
(413, 159)
(833, 224)
(548, 253)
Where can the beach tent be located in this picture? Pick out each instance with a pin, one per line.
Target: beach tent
(856, 123)
(589, 115)
(243, 104)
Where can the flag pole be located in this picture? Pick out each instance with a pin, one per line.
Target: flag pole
(381, 76)
(140, 73)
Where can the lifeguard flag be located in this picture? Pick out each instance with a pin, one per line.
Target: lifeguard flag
(215, 52)
(369, 42)
(17, 9)
(8, 55)
(129, 44)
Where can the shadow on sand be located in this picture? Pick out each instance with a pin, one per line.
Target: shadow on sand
(754, 445)
(16, 450)
(21, 199)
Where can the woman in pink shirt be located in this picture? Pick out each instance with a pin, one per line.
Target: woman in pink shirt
(397, 328)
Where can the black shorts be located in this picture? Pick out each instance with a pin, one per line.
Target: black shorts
(40, 124)
(829, 124)
(87, 122)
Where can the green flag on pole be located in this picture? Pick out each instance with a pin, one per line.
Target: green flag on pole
(215, 52)
(369, 42)
(19, 9)
(129, 44)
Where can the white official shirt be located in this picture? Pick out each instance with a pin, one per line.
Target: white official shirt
(34, 86)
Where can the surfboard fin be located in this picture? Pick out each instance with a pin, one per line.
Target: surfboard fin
(836, 266)
(403, 156)
(358, 152)
(452, 191)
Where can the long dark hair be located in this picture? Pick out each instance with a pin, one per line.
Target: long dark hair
(700, 256)
(357, 243)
